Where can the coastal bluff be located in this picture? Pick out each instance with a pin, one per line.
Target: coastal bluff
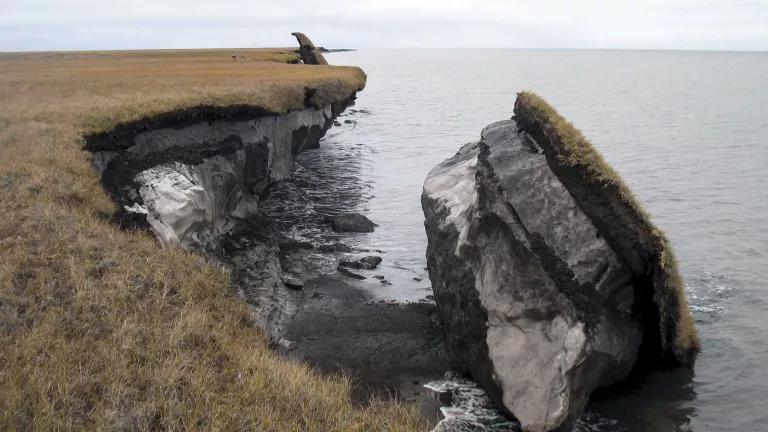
(101, 328)
(550, 278)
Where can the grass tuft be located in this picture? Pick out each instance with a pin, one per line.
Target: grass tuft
(100, 329)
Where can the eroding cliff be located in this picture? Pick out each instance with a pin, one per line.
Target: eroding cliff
(195, 175)
(187, 180)
(540, 305)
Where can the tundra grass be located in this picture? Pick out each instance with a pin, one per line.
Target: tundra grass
(574, 150)
(101, 329)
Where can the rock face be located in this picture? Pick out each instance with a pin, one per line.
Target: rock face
(187, 181)
(308, 52)
(353, 222)
(540, 306)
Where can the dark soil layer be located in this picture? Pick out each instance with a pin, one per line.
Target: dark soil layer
(388, 348)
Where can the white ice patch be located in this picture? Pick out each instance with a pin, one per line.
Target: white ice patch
(174, 203)
(454, 185)
(185, 204)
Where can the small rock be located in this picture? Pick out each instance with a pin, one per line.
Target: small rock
(417, 279)
(349, 273)
(379, 277)
(287, 344)
(367, 263)
(334, 247)
(353, 222)
(316, 295)
(336, 123)
(385, 282)
(292, 283)
(348, 121)
(430, 296)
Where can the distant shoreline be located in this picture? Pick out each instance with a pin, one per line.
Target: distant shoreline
(333, 50)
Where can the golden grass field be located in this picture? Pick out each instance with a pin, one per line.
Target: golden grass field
(100, 329)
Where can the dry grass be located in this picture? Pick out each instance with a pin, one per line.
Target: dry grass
(572, 149)
(99, 328)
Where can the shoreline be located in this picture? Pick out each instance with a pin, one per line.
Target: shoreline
(133, 335)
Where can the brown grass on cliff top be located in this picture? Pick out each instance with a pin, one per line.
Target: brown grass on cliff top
(100, 329)
(575, 150)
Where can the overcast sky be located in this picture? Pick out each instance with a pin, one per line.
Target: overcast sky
(644, 24)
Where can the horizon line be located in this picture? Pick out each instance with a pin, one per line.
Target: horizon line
(43, 51)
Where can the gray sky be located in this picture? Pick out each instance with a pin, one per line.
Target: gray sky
(644, 24)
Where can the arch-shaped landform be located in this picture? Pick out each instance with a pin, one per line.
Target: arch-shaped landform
(307, 50)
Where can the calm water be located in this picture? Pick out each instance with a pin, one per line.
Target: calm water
(689, 133)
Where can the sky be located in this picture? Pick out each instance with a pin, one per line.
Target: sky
(27, 25)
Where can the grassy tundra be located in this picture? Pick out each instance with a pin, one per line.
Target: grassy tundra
(101, 329)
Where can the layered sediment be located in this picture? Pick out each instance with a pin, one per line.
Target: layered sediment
(549, 281)
(191, 176)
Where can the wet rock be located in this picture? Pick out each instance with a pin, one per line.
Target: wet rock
(291, 245)
(416, 279)
(349, 273)
(334, 247)
(366, 263)
(538, 307)
(379, 277)
(353, 222)
(292, 283)
(385, 282)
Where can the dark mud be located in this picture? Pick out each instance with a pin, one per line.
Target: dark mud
(388, 348)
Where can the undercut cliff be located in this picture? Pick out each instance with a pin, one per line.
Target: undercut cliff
(193, 175)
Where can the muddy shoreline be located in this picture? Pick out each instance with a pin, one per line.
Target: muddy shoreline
(389, 346)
